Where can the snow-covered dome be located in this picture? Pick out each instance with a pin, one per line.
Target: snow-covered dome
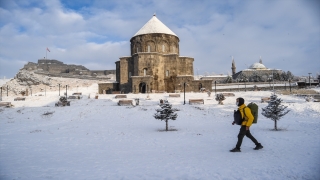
(154, 25)
(257, 66)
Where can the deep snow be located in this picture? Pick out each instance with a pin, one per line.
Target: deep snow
(97, 139)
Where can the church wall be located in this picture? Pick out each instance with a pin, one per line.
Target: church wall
(107, 88)
(124, 72)
(161, 43)
(163, 68)
(136, 80)
(153, 63)
(185, 66)
(118, 72)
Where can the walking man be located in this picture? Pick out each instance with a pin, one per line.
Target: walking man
(245, 126)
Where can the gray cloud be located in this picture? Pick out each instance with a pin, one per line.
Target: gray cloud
(96, 33)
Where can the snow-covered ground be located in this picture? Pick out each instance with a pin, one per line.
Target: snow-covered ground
(97, 139)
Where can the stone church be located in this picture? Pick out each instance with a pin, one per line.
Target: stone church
(155, 64)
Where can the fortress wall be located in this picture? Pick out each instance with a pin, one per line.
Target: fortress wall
(30, 66)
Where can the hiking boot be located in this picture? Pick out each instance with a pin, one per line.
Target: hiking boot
(258, 146)
(235, 150)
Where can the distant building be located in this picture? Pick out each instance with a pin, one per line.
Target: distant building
(256, 69)
(219, 77)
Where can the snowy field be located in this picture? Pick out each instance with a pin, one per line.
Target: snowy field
(97, 139)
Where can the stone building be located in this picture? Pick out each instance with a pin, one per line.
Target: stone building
(155, 64)
(256, 69)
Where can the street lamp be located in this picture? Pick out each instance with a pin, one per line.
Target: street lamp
(245, 85)
(59, 90)
(273, 80)
(269, 79)
(309, 79)
(66, 91)
(290, 85)
(215, 87)
(238, 85)
(184, 92)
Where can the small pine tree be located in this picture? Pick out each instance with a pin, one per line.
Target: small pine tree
(274, 111)
(166, 113)
(220, 98)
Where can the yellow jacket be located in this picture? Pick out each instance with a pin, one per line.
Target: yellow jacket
(248, 119)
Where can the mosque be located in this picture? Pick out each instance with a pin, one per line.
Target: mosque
(257, 72)
(155, 64)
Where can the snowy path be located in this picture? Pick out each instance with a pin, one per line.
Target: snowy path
(96, 139)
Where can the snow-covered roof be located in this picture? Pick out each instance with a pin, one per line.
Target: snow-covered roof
(257, 66)
(154, 25)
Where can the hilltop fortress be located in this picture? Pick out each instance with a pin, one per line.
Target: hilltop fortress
(55, 68)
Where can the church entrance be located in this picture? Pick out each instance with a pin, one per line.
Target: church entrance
(142, 87)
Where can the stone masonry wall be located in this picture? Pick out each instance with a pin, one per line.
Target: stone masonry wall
(161, 43)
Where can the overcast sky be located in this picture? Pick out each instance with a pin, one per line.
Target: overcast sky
(95, 33)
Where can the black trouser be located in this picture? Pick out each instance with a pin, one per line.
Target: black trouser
(243, 132)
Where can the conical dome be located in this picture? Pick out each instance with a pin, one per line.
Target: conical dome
(154, 25)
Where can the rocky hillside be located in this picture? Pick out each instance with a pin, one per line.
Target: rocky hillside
(31, 83)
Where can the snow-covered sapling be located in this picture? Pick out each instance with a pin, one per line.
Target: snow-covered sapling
(274, 110)
(220, 98)
(166, 112)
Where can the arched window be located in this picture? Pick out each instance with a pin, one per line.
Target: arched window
(173, 49)
(144, 72)
(137, 49)
(163, 47)
(148, 48)
(167, 73)
(129, 74)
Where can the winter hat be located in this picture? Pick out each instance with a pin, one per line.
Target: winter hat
(241, 101)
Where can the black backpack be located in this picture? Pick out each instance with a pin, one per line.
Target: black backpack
(237, 117)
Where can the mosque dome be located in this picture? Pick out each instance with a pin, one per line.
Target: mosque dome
(257, 66)
(154, 25)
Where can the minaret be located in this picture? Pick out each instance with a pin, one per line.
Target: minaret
(260, 60)
(233, 67)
